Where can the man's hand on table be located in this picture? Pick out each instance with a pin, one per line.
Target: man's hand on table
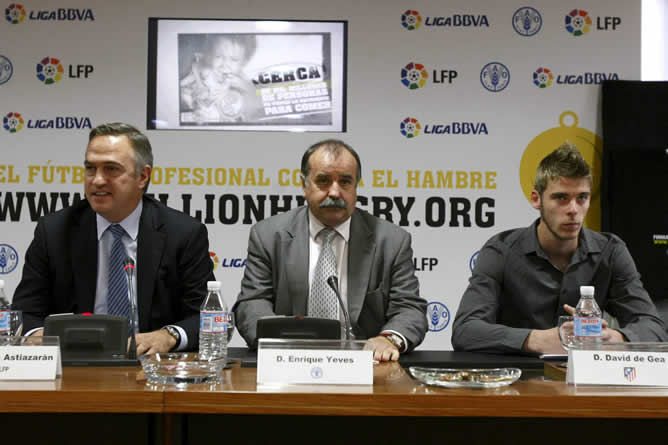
(546, 341)
(156, 342)
(383, 349)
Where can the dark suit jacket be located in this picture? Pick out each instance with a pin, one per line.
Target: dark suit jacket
(383, 292)
(173, 266)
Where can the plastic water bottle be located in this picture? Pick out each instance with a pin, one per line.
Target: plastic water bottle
(213, 324)
(588, 318)
(4, 310)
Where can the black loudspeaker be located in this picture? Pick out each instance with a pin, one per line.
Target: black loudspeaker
(302, 328)
(90, 340)
(635, 169)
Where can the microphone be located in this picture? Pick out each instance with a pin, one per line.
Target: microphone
(333, 282)
(129, 267)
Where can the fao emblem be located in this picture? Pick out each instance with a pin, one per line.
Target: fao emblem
(473, 261)
(527, 21)
(438, 316)
(8, 258)
(316, 372)
(495, 77)
(6, 69)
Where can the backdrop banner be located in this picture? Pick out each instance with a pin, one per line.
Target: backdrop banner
(451, 105)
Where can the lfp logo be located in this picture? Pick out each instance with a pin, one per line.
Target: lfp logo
(15, 13)
(543, 77)
(414, 76)
(495, 77)
(6, 69)
(8, 258)
(50, 70)
(410, 127)
(438, 316)
(578, 22)
(411, 20)
(527, 21)
(13, 122)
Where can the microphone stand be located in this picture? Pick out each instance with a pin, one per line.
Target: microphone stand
(333, 282)
(129, 267)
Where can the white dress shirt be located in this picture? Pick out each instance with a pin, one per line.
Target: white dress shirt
(105, 240)
(340, 246)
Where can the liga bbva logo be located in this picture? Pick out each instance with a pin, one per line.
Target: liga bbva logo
(544, 77)
(49, 70)
(16, 13)
(578, 22)
(410, 127)
(14, 122)
(411, 20)
(227, 262)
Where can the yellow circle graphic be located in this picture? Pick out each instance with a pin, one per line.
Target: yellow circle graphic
(589, 144)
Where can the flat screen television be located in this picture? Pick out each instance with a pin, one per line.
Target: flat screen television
(249, 75)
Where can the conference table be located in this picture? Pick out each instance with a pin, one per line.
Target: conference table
(115, 405)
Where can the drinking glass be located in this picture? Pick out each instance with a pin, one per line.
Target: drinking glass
(230, 326)
(12, 326)
(14, 323)
(566, 331)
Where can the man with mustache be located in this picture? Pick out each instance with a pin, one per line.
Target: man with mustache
(71, 267)
(371, 258)
(525, 279)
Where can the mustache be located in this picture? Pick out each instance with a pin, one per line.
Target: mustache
(330, 203)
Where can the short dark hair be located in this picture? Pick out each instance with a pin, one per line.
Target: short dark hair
(334, 147)
(564, 162)
(138, 141)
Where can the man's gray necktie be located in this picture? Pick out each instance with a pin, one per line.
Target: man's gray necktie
(322, 302)
(117, 296)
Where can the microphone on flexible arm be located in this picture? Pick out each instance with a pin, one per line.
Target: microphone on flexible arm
(129, 267)
(333, 282)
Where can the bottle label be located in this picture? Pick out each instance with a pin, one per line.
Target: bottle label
(588, 326)
(213, 322)
(4, 322)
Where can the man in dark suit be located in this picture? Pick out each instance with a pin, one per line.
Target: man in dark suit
(374, 260)
(68, 263)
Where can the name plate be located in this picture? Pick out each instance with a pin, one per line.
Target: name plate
(314, 366)
(623, 367)
(29, 362)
